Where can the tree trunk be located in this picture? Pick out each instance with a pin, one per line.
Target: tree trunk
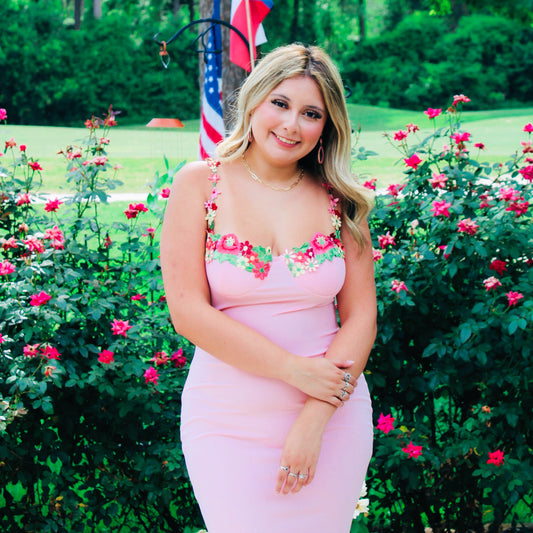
(176, 6)
(78, 11)
(97, 9)
(361, 19)
(232, 75)
(190, 3)
(294, 24)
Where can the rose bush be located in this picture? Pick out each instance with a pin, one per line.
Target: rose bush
(91, 369)
(451, 369)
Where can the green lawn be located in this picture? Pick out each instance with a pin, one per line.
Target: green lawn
(140, 150)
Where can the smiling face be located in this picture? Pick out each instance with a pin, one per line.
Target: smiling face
(288, 124)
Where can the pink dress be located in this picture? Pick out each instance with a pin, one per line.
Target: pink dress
(234, 424)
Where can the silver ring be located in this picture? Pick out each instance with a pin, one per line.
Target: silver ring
(345, 386)
(284, 468)
(302, 476)
(347, 377)
(293, 474)
(343, 393)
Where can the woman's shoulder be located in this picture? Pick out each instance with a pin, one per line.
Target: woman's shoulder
(194, 176)
(195, 170)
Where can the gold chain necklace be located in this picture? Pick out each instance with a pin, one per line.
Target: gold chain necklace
(259, 180)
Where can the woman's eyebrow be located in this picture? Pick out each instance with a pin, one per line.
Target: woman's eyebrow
(280, 95)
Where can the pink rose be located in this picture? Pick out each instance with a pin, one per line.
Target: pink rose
(432, 113)
(120, 327)
(151, 376)
(460, 98)
(385, 423)
(178, 359)
(467, 226)
(438, 181)
(6, 268)
(513, 297)
(491, 283)
(441, 208)
(385, 240)
(412, 451)
(52, 205)
(398, 286)
(37, 300)
(413, 161)
(400, 135)
(496, 458)
(106, 357)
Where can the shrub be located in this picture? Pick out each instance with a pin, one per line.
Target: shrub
(421, 60)
(91, 370)
(52, 74)
(451, 369)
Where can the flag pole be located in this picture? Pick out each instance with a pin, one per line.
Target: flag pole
(251, 44)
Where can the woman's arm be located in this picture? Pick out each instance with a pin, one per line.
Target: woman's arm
(354, 340)
(187, 292)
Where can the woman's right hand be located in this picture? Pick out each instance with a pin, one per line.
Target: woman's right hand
(322, 378)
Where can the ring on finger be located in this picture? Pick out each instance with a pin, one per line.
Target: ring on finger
(284, 468)
(343, 394)
(302, 476)
(347, 377)
(292, 474)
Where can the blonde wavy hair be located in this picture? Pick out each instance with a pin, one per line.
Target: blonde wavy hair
(296, 60)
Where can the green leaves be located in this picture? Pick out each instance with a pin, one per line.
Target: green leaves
(58, 397)
(462, 335)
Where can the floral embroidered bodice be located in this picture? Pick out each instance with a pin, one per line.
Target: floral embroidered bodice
(257, 259)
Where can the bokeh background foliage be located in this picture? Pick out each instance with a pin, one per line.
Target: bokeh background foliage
(55, 75)
(402, 53)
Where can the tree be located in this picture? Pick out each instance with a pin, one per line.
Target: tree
(97, 9)
(361, 19)
(78, 12)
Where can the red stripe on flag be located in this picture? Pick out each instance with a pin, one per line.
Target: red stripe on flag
(211, 132)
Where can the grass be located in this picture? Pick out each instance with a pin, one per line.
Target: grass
(140, 150)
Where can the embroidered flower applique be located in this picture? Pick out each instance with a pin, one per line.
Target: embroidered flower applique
(257, 259)
(309, 256)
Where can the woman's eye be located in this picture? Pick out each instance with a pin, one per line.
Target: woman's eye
(279, 103)
(313, 114)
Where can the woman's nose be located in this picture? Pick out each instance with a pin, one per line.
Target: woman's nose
(291, 121)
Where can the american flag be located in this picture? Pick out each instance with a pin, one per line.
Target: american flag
(212, 122)
(259, 9)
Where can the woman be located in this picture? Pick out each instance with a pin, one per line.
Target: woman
(256, 250)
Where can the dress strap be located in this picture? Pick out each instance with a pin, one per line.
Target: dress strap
(335, 214)
(210, 205)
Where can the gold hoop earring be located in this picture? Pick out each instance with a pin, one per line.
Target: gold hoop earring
(320, 154)
(250, 134)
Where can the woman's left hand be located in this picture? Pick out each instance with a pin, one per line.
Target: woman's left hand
(299, 458)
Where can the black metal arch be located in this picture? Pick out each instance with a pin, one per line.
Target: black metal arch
(200, 37)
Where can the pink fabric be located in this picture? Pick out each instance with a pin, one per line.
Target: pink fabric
(234, 424)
